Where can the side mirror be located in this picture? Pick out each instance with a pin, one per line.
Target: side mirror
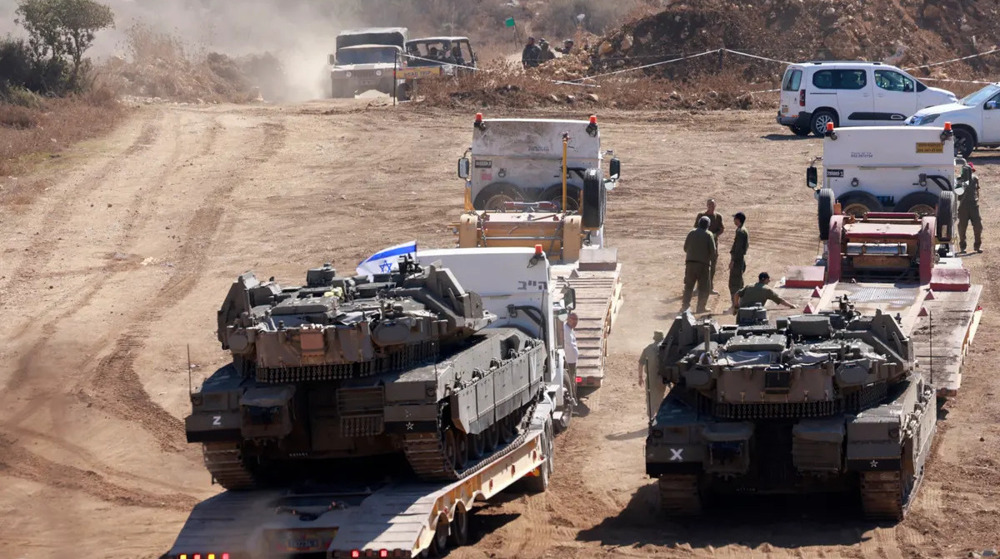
(463, 168)
(332, 59)
(569, 298)
(812, 177)
(615, 169)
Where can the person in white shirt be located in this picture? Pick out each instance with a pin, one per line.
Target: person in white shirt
(569, 344)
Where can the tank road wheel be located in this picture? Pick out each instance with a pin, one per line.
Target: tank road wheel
(477, 445)
(459, 527)
(439, 545)
(449, 449)
(679, 495)
(461, 450)
(859, 203)
(492, 437)
(507, 433)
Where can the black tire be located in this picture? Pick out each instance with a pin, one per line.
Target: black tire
(965, 142)
(439, 543)
(923, 203)
(554, 194)
(595, 198)
(825, 212)
(495, 195)
(819, 120)
(459, 535)
(946, 217)
(799, 131)
(859, 203)
(569, 400)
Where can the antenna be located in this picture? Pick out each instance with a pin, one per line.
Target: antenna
(189, 368)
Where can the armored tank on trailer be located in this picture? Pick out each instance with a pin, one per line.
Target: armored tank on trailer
(825, 402)
(350, 367)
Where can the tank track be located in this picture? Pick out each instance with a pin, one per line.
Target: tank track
(426, 456)
(225, 462)
(680, 495)
(886, 495)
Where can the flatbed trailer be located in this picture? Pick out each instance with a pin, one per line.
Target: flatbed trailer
(392, 520)
(936, 305)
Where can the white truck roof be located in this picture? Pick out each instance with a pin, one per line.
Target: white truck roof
(535, 138)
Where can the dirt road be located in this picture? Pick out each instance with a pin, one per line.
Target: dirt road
(117, 254)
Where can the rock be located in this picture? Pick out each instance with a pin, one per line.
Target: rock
(713, 94)
(570, 98)
(701, 102)
(626, 43)
(553, 97)
(593, 97)
(675, 96)
(829, 11)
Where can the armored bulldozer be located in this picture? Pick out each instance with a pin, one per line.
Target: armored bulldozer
(364, 366)
(826, 402)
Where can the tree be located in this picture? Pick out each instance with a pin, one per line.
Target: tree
(61, 28)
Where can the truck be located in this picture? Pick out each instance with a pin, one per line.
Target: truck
(841, 393)
(340, 507)
(366, 59)
(435, 58)
(541, 182)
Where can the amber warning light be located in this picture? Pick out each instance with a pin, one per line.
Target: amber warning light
(593, 119)
(947, 127)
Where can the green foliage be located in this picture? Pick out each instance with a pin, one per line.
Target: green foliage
(60, 31)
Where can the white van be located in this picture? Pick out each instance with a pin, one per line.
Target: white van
(851, 94)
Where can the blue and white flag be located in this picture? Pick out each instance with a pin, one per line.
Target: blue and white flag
(386, 260)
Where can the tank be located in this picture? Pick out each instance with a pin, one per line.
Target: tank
(828, 402)
(400, 366)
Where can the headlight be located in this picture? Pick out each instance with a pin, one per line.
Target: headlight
(347, 74)
(378, 72)
(927, 119)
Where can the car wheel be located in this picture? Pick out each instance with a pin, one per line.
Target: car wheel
(799, 131)
(819, 121)
(965, 142)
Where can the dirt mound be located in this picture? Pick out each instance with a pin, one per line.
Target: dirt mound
(906, 33)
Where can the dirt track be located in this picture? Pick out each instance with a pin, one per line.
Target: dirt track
(122, 256)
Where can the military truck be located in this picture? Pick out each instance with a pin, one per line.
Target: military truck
(809, 403)
(519, 175)
(366, 59)
(459, 341)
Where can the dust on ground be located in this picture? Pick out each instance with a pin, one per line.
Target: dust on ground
(119, 259)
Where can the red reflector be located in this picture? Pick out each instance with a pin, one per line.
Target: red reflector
(383, 553)
(947, 127)
(225, 556)
(355, 554)
(593, 119)
(197, 556)
(579, 380)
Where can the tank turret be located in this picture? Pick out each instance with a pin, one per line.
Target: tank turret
(807, 403)
(349, 367)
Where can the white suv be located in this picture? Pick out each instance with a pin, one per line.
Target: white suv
(975, 119)
(851, 94)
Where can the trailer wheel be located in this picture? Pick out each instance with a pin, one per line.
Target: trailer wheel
(859, 203)
(825, 212)
(540, 483)
(494, 196)
(459, 527)
(554, 194)
(921, 203)
(946, 217)
(439, 545)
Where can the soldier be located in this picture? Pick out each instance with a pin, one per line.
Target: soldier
(968, 210)
(529, 56)
(567, 46)
(569, 344)
(700, 251)
(758, 294)
(649, 367)
(544, 53)
(716, 229)
(738, 254)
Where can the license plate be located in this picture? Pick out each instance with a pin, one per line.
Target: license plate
(300, 541)
(784, 109)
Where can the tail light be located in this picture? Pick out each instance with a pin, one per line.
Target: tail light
(579, 380)
(802, 98)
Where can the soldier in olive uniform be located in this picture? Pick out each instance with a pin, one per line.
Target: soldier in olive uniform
(758, 294)
(649, 372)
(738, 254)
(968, 210)
(716, 227)
(700, 251)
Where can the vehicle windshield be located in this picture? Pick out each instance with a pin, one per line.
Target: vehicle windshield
(978, 97)
(367, 55)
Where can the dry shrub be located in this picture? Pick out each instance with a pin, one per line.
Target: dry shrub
(18, 118)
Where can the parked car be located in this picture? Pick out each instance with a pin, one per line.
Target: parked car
(851, 94)
(975, 119)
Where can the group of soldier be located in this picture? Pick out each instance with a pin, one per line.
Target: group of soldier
(535, 54)
(701, 257)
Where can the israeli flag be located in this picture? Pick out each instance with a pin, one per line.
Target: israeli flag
(386, 260)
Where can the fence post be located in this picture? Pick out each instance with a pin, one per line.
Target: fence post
(722, 53)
